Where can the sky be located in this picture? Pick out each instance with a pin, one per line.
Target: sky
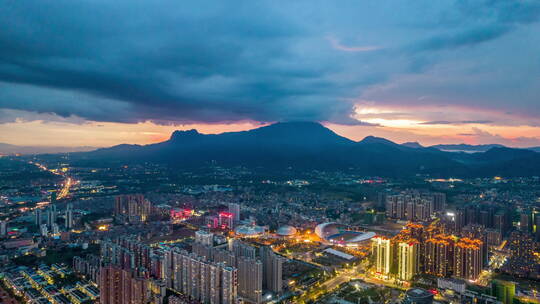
(100, 73)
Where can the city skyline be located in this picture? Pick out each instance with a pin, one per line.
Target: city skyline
(270, 152)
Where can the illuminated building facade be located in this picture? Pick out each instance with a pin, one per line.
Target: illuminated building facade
(408, 259)
(133, 208)
(504, 291)
(439, 255)
(414, 205)
(381, 249)
(181, 214)
(226, 220)
(200, 279)
(119, 286)
(468, 258)
(212, 221)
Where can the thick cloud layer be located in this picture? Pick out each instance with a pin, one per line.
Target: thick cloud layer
(218, 61)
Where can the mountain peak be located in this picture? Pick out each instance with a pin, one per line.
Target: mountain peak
(300, 132)
(376, 140)
(412, 144)
(180, 134)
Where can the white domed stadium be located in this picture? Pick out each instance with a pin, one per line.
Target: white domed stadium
(249, 230)
(286, 231)
(334, 233)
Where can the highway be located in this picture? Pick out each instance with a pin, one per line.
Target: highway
(68, 182)
(65, 189)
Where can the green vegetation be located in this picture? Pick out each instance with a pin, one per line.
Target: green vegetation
(69, 279)
(64, 255)
(356, 294)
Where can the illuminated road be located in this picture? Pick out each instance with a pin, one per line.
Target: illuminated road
(496, 261)
(62, 193)
(65, 190)
(343, 276)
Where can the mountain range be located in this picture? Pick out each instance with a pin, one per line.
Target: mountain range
(308, 145)
(464, 147)
(14, 149)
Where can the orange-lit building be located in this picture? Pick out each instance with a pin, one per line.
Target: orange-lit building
(439, 255)
(468, 258)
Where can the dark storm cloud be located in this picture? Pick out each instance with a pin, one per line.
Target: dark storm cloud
(479, 22)
(477, 122)
(210, 61)
(437, 122)
(207, 63)
(465, 38)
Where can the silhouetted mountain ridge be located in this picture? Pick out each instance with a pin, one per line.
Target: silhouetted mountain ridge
(466, 147)
(415, 145)
(15, 149)
(308, 145)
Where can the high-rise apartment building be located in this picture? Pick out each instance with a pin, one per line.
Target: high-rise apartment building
(242, 249)
(525, 222)
(38, 216)
(225, 257)
(226, 220)
(536, 219)
(3, 228)
(202, 280)
(504, 291)
(133, 208)
(408, 259)
(229, 285)
(272, 269)
(499, 222)
(234, 208)
(439, 255)
(197, 277)
(88, 266)
(468, 258)
(51, 216)
(250, 278)
(204, 237)
(414, 205)
(43, 230)
(381, 250)
(69, 216)
(521, 244)
(119, 286)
